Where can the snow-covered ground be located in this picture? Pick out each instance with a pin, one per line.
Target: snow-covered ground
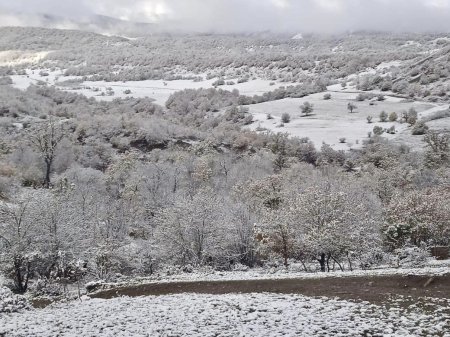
(230, 315)
(331, 119)
(22, 82)
(159, 90)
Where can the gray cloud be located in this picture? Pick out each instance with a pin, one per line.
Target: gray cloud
(252, 15)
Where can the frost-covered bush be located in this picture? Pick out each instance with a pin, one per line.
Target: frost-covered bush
(371, 258)
(391, 130)
(378, 130)
(393, 117)
(285, 118)
(239, 267)
(10, 302)
(410, 256)
(5, 187)
(383, 116)
(219, 82)
(44, 287)
(420, 128)
(307, 108)
(411, 116)
(361, 97)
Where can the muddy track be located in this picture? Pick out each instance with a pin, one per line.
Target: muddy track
(375, 289)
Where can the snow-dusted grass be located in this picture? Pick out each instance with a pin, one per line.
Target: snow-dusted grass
(230, 315)
(331, 119)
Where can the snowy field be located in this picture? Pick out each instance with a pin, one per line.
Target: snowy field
(231, 315)
(331, 119)
(159, 90)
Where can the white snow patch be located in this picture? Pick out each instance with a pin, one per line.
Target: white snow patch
(412, 43)
(388, 65)
(18, 57)
(33, 76)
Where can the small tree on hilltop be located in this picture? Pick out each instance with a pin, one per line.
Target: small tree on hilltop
(410, 116)
(420, 128)
(378, 130)
(307, 108)
(285, 118)
(351, 107)
(383, 116)
(393, 117)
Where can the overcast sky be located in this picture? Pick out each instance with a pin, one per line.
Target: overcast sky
(251, 15)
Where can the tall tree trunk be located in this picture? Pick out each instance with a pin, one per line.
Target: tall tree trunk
(304, 265)
(338, 263)
(349, 262)
(322, 262)
(328, 262)
(285, 253)
(48, 167)
(21, 279)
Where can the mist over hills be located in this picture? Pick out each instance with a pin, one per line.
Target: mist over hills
(100, 24)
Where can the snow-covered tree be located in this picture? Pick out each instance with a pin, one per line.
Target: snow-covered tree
(19, 238)
(418, 217)
(193, 230)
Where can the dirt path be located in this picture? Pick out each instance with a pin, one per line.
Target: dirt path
(374, 289)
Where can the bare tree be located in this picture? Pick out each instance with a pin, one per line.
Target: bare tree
(46, 140)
